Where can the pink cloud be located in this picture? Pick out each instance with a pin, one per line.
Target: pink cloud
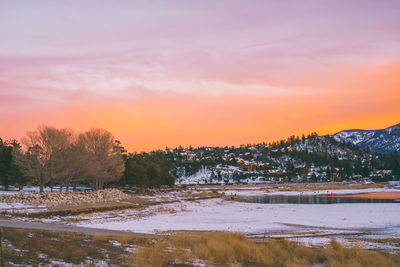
(212, 61)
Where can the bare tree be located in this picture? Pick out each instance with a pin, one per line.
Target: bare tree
(54, 155)
(105, 157)
(43, 154)
(74, 164)
(29, 164)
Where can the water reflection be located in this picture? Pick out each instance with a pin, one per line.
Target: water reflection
(319, 199)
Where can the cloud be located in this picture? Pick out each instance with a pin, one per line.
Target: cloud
(155, 120)
(10, 100)
(203, 72)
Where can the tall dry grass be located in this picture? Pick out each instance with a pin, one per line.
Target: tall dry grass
(29, 247)
(232, 249)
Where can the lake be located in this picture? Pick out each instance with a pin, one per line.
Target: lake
(317, 199)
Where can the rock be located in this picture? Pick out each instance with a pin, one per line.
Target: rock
(66, 198)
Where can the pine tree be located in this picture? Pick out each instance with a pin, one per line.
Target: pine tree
(5, 163)
(16, 176)
(154, 177)
(329, 173)
(166, 177)
(135, 174)
(396, 166)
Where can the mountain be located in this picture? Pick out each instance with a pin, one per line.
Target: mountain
(312, 158)
(382, 141)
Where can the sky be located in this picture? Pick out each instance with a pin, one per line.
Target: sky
(203, 73)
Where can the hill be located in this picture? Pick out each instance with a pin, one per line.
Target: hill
(382, 141)
(307, 159)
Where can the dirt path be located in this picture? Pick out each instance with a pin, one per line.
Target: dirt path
(68, 228)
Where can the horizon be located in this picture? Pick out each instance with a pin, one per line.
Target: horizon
(227, 145)
(194, 73)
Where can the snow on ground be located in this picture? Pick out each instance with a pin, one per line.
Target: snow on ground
(209, 174)
(19, 208)
(36, 189)
(12, 206)
(253, 218)
(354, 220)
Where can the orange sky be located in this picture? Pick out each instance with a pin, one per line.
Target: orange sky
(236, 74)
(367, 98)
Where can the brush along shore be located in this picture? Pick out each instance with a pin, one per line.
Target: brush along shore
(21, 247)
(72, 203)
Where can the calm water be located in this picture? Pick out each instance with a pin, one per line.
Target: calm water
(321, 199)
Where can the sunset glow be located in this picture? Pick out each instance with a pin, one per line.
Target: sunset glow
(197, 73)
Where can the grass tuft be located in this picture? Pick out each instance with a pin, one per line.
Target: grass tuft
(230, 249)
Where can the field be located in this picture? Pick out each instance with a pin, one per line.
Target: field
(21, 247)
(204, 226)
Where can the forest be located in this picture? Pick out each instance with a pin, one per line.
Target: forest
(49, 156)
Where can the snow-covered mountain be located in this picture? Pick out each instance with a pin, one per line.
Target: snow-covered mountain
(382, 141)
(296, 159)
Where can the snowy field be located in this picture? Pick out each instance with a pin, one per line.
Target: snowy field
(254, 218)
(318, 223)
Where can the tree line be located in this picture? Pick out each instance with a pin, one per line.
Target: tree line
(50, 156)
(294, 157)
(147, 170)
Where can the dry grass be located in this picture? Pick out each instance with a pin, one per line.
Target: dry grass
(166, 210)
(133, 202)
(101, 237)
(125, 239)
(86, 209)
(24, 247)
(227, 249)
(200, 194)
(27, 247)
